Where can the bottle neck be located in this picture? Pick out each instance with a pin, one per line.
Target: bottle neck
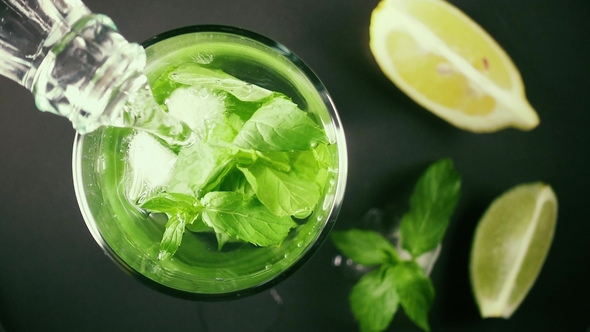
(74, 62)
(28, 30)
(88, 74)
(78, 66)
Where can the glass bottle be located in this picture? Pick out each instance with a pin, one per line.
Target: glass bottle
(78, 66)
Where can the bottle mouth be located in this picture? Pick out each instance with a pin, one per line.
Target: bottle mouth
(86, 72)
(91, 188)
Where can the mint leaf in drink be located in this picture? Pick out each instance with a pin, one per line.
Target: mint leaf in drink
(171, 203)
(323, 155)
(182, 210)
(324, 159)
(200, 168)
(244, 110)
(365, 247)
(434, 198)
(198, 226)
(222, 239)
(286, 193)
(193, 74)
(374, 300)
(236, 181)
(415, 292)
(278, 160)
(279, 125)
(172, 237)
(245, 218)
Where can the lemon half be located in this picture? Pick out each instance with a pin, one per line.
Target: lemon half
(448, 64)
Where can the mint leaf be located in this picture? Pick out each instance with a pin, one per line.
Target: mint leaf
(236, 181)
(193, 74)
(365, 247)
(415, 291)
(171, 203)
(172, 237)
(182, 210)
(324, 159)
(434, 198)
(222, 239)
(279, 160)
(374, 300)
(200, 168)
(323, 155)
(244, 110)
(294, 192)
(198, 226)
(243, 217)
(279, 126)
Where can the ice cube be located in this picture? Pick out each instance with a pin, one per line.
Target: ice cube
(195, 106)
(150, 166)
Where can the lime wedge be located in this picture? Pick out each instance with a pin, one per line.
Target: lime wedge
(510, 245)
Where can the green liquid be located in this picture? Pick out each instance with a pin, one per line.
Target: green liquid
(198, 266)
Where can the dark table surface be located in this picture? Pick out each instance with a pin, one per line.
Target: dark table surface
(53, 276)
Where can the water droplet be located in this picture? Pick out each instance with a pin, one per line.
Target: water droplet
(219, 279)
(337, 260)
(286, 256)
(268, 266)
(300, 244)
(275, 295)
(349, 262)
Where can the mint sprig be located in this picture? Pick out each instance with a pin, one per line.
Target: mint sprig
(375, 299)
(257, 165)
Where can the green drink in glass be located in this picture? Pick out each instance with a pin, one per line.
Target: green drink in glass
(245, 205)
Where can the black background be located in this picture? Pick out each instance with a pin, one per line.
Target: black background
(53, 276)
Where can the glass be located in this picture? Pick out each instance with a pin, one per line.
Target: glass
(201, 271)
